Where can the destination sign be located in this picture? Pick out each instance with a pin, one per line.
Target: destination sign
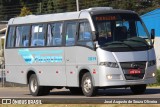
(102, 18)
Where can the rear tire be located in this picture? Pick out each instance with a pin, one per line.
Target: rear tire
(76, 90)
(34, 87)
(138, 89)
(87, 85)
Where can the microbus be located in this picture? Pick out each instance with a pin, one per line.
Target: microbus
(83, 51)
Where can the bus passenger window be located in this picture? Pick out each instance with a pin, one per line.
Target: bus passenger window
(85, 35)
(38, 35)
(70, 34)
(22, 36)
(10, 38)
(54, 35)
(85, 31)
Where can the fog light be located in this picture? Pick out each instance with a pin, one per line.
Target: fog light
(109, 77)
(114, 77)
(153, 74)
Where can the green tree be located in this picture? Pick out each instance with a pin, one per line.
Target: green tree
(50, 6)
(44, 6)
(71, 5)
(8, 9)
(25, 11)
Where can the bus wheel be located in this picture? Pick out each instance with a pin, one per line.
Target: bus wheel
(76, 90)
(138, 89)
(34, 87)
(87, 85)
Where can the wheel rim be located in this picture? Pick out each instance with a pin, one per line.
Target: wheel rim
(34, 85)
(87, 85)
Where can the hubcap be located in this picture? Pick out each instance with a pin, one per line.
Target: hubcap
(87, 85)
(33, 85)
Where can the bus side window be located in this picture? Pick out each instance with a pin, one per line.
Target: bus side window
(84, 34)
(11, 36)
(54, 35)
(22, 36)
(84, 31)
(38, 35)
(71, 33)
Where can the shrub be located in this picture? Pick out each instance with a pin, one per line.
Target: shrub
(158, 76)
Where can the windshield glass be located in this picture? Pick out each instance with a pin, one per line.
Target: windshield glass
(117, 30)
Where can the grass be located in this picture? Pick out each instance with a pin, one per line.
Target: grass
(157, 84)
(154, 85)
(85, 105)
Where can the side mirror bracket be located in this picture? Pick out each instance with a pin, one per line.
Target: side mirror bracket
(153, 34)
(94, 38)
(95, 35)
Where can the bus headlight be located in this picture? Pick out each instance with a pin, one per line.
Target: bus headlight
(151, 63)
(109, 64)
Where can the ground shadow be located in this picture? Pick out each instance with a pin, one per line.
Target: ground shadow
(110, 92)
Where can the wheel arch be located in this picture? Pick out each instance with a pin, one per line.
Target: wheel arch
(82, 71)
(29, 73)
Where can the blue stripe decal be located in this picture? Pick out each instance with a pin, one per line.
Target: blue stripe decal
(39, 56)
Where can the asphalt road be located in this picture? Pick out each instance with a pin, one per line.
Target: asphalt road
(64, 95)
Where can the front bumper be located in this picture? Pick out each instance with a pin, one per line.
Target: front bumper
(115, 77)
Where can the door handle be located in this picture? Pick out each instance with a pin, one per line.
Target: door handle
(67, 59)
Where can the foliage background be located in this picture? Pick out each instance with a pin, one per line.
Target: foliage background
(14, 8)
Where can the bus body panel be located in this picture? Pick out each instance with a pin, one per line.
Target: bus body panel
(65, 73)
(47, 63)
(71, 70)
(151, 54)
(45, 18)
(86, 58)
(105, 56)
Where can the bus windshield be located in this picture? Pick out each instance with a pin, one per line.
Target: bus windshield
(121, 30)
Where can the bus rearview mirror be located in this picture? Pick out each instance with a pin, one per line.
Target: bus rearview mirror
(152, 33)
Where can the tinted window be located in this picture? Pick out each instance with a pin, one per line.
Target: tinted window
(38, 35)
(119, 27)
(54, 34)
(84, 31)
(85, 35)
(11, 36)
(70, 33)
(22, 36)
(121, 32)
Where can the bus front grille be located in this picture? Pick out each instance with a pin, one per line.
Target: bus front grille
(134, 77)
(138, 67)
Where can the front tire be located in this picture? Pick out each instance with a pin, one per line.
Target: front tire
(87, 85)
(138, 89)
(34, 87)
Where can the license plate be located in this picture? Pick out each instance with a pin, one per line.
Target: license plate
(134, 71)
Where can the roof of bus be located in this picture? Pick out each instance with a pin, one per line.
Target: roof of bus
(44, 18)
(64, 16)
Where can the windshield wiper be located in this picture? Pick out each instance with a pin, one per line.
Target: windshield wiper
(118, 42)
(137, 39)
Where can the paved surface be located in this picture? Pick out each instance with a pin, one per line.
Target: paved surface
(23, 92)
(64, 95)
